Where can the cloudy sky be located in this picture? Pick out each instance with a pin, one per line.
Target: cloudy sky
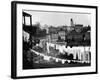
(59, 18)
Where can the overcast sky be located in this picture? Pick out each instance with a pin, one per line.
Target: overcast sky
(57, 18)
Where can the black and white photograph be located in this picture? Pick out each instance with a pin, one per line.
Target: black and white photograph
(53, 39)
(56, 39)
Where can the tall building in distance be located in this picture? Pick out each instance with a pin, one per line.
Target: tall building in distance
(72, 23)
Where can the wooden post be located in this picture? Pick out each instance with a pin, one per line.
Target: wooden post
(31, 30)
(24, 21)
(30, 20)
